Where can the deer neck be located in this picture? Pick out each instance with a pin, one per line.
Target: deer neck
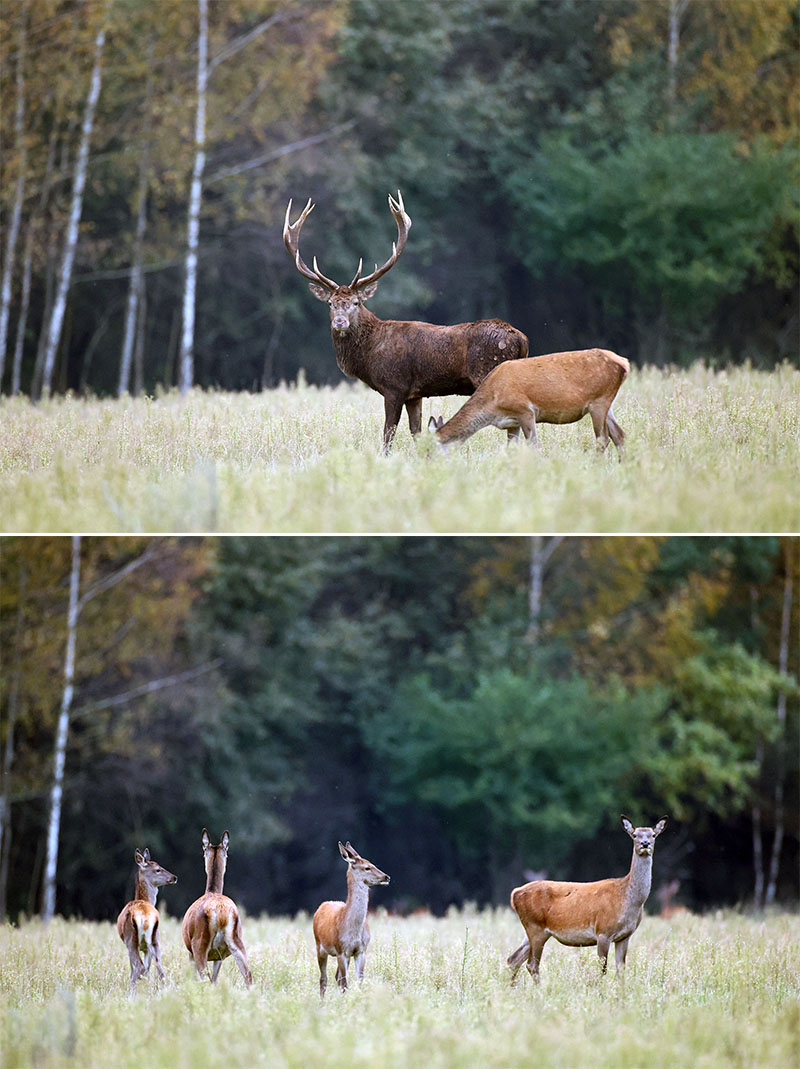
(355, 908)
(215, 875)
(145, 891)
(353, 347)
(640, 879)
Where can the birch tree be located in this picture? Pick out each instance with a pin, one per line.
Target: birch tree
(77, 602)
(56, 322)
(541, 550)
(19, 193)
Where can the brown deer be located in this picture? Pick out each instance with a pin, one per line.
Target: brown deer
(554, 388)
(138, 922)
(403, 361)
(341, 928)
(586, 914)
(212, 929)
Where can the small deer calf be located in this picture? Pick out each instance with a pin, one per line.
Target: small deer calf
(586, 914)
(138, 922)
(554, 388)
(341, 928)
(212, 929)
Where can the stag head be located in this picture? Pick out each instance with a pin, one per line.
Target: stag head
(345, 301)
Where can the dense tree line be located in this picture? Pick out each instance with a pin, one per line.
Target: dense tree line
(620, 172)
(408, 694)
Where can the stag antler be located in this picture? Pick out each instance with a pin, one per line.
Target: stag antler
(291, 239)
(398, 210)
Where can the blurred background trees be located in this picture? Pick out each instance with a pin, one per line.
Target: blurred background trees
(615, 172)
(302, 690)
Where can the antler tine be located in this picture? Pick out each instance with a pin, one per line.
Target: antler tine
(403, 221)
(291, 239)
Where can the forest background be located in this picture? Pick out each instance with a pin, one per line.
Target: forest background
(614, 172)
(461, 709)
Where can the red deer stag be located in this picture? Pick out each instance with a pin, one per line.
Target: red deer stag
(341, 928)
(554, 388)
(586, 914)
(212, 929)
(403, 361)
(138, 922)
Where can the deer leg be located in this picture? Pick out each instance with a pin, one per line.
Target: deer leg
(414, 412)
(620, 953)
(341, 971)
(322, 961)
(236, 947)
(527, 424)
(137, 969)
(215, 970)
(599, 415)
(157, 953)
(200, 955)
(359, 962)
(603, 947)
(616, 432)
(392, 407)
(515, 960)
(537, 937)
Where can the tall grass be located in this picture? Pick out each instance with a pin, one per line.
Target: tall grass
(707, 451)
(706, 992)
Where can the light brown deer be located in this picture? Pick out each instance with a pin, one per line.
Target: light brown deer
(586, 914)
(341, 928)
(212, 928)
(138, 922)
(554, 388)
(402, 360)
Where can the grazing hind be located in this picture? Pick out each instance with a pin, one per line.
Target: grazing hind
(212, 928)
(586, 914)
(138, 922)
(341, 928)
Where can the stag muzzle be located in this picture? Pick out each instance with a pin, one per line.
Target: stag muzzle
(340, 322)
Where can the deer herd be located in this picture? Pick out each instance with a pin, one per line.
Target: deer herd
(576, 914)
(487, 361)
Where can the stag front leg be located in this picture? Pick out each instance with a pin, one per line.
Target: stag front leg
(414, 410)
(393, 408)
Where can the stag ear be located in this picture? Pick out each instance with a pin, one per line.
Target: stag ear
(365, 292)
(628, 826)
(319, 292)
(660, 826)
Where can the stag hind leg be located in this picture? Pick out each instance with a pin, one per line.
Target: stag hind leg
(414, 411)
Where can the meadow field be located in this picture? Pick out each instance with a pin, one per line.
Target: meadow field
(707, 451)
(720, 990)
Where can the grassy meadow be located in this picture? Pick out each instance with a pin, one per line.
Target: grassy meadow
(709, 991)
(707, 451)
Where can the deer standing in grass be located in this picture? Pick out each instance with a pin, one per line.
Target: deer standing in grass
(212, 928)
(586, 914)
(138, 922)
(402, 360)
(341, 928)
(554, 388)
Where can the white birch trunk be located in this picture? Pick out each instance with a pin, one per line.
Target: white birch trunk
(542, 550)
(677, 9)
(76, 207)
(57, 790)
(783, 668)
(186, 357)
(19, 194)
(22, 321)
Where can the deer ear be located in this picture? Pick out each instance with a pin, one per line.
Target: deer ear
(140, 859)
(206, 839)
(344, 852)
(225, 840)
(365, 292)
(319, 292)
(660, 826)
(628, 826)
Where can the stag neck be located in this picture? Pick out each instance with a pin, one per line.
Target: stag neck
(353, 354)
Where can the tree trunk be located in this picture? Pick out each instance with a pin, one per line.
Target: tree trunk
(677, 9)
(54, 820)
(783, 668)
(133, 309)
(542, 550)
(8, 748)
(76, 208)
(186, 359)
(24, 305)
(19, 193)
